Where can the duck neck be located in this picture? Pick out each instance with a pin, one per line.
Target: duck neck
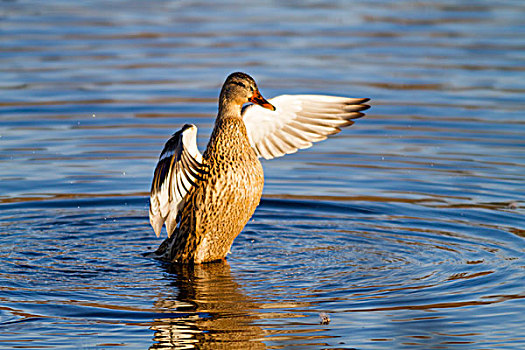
(229, 132)
(230, 103)
(229, 109)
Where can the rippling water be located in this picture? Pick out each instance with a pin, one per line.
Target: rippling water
(406, 231)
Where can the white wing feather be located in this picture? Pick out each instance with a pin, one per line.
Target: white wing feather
(297, 121)
(179, 166)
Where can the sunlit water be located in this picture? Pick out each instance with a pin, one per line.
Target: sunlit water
(406, 230)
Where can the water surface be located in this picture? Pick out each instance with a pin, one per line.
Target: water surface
(406, 229)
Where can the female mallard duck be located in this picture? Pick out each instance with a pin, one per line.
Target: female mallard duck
(205, 200)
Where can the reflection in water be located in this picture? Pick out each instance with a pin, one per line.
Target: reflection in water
(216, 312)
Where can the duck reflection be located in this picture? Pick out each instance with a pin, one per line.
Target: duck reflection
(214, 311)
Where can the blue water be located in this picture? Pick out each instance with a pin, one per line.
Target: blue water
(406, 229)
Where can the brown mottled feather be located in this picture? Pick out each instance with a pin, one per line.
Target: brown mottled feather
(219, 206)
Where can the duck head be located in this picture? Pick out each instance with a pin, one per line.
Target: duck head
(238, 89)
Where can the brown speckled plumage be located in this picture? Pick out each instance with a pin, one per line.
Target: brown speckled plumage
(221, 204)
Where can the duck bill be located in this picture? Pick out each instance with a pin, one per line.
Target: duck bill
(261, 101)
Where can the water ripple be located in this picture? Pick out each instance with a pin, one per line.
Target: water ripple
(405, 230)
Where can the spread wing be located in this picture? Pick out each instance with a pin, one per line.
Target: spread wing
(297, 121)
(179, 166)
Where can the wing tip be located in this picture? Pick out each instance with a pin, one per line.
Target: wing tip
(358, 115)
(156, 223)
(355, 108)
(364, 107)
(361, 107)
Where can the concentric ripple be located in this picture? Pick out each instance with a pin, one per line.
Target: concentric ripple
(402, 281)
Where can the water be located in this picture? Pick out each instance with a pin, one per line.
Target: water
(406, 230)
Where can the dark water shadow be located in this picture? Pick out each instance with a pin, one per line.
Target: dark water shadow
(218, 313)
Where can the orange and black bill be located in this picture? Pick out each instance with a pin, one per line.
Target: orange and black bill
(261, 101)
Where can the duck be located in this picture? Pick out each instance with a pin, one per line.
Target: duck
(205, 200)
